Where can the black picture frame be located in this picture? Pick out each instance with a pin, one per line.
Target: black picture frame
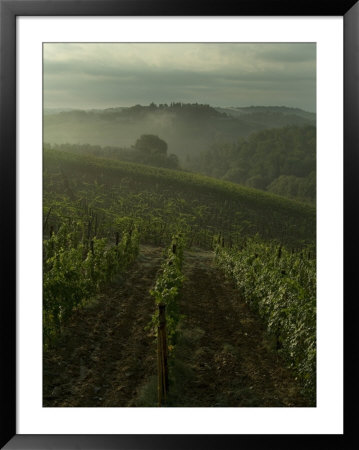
(9, 10)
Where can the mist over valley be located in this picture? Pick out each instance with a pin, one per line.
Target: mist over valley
(227, 143)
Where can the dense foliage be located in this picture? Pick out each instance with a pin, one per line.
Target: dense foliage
(282, 161)
(281, 287)
(148, 149)
(75, 268)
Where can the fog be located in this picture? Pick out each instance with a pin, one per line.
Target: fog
(187, 131)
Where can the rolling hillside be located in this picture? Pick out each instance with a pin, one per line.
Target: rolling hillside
(187, 128)
(200, 205)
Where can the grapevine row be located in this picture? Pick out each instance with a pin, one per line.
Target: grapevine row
(75, 269)
(165, 202)
(166, 318)
(281, 287)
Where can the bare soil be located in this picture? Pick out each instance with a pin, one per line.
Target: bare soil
(233, 361)
(105, 354)
(106, 357)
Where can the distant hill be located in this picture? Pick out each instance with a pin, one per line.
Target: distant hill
(187, 128)
(279, 160)
(269, 110)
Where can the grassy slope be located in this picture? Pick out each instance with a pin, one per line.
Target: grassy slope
(271, 215)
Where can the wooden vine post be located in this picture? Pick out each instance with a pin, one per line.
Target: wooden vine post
(162, 356)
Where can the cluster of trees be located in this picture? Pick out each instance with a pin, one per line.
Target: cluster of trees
(193, 109)
(282, 161)
(149, 149)
(302, 188)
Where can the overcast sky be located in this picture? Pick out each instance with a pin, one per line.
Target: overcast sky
(108, 75)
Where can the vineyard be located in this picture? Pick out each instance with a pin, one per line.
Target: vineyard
(162, 202)
(75, 270)
(281, 287)
(160, 285)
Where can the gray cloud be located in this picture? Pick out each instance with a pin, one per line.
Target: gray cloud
(105, 75)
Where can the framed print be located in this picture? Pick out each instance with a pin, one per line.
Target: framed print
(175, 178)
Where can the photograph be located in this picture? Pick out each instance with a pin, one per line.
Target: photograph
(179, 224)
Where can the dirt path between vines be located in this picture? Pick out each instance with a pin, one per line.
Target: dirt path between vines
(224, 349)
(223, 357)
(106, 354)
